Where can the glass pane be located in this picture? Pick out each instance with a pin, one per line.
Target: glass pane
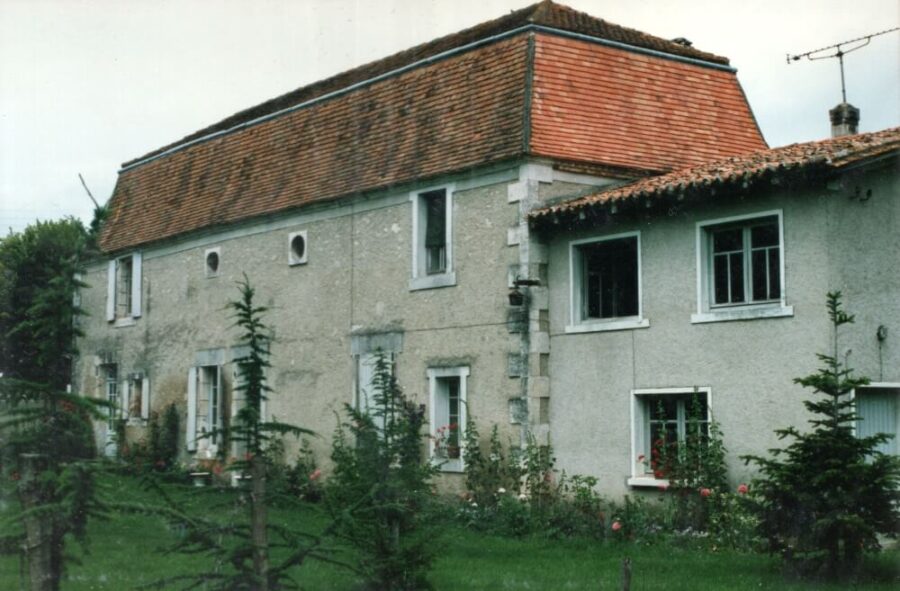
(436, 218)
(728, 240)
(720, 279)
(758, 272)
(663, 408)
(736, 264)
(453, 403)
(766, 235)
(611, 278)
(774, 274)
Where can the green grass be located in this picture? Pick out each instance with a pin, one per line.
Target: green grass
(125, 553)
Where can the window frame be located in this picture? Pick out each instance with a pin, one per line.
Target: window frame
(420, 278)
(576, 289)
(293, 259)
(639, 477)
(134, 283)
(707, 311)
(209, 273)
(434, 374)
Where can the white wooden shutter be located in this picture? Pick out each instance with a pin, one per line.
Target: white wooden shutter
(191, 433)
(136, 285)
(238, 448)
(145, 398)
(111, 290)
(125, 398)
(220, 402)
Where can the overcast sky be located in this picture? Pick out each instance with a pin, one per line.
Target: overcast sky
(87, 85)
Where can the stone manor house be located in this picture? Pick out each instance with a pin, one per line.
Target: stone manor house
(548, 222)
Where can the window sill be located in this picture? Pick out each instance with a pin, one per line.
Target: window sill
(747, 313)
(449, 466)
(647, 482)
(123, 322)
(432, 281)
(609, 325)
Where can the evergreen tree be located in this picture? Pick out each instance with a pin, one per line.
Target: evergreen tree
(381, 486)
(46, 440)
(823, 499)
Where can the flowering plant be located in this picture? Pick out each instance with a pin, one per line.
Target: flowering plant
(446, 441)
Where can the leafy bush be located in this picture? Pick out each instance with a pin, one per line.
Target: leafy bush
(823, 499)
(488, 473)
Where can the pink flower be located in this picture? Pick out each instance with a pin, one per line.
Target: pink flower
(248, 456)
(743, 489)
(705, 492)
(616, 525)
(663, 487)
(641, 457)
(217, 468)
(315, 474)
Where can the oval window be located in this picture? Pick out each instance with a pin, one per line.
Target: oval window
(212, 262)
(298, 247)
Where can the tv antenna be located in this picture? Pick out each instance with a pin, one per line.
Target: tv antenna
(841, 49)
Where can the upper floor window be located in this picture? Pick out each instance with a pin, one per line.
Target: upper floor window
(123, 297)
(741, 268)
(297, 252)
(606, 283)
(212, 260)
(432, 239)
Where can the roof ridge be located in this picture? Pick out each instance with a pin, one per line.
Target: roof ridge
(545, 13)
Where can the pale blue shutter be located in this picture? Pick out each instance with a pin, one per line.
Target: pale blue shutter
(111, 290)
(191, 429)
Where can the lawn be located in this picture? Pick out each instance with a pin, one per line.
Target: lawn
(125, 553)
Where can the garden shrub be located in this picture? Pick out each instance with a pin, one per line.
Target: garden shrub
(487, 473)
(824, 498)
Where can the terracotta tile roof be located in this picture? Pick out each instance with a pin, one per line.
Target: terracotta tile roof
(546, 13)
(738, 171)
(601, 104)
(466, 109)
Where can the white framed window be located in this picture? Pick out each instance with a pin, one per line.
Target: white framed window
(297, 248)
(135, 406)
(432, 238)
(123, 295)
(447, 388)
(662, 418)
(212, 258)
(740, 268)
(878, 408)
(110, 375)
(605, 283)
(206, 407)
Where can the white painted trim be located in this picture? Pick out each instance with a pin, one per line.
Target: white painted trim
(749, 311)
(638, 477)
(111, 289)
(136, 287)
(206, 270)
(433, 373)
(191, 420)
(419, 279)
(576, 324)
(293, 259)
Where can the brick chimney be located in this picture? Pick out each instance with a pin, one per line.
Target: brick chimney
(844, 120)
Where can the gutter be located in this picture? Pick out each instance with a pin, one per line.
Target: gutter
(426, 61)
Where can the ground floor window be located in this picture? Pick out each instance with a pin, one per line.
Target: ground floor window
(878, 408)
(661, 421)
(447, 396)
(367, 388)
(136, 399)
(205, 407)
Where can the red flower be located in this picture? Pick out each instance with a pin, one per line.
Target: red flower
(217, 468)
(743, 489)
(705, 492)
(315, 474)
(663, 487)
(616, 525)
(641, 457)
(248, 456)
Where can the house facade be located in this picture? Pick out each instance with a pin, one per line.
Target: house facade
(442, 206)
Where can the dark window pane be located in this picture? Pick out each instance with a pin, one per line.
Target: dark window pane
(736, 278)
(758, 270)
(728, 240)
(663, 408)
(611, 278)
(766, 235)
(720, 279)
(435, 218)
(774, 274)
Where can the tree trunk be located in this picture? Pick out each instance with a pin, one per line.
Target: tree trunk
(626, 574)
(259, 522)
(39, 530)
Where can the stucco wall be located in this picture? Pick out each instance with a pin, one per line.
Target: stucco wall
(831, 242)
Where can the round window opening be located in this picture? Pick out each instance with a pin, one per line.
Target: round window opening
(298, 247)
(212, 262)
